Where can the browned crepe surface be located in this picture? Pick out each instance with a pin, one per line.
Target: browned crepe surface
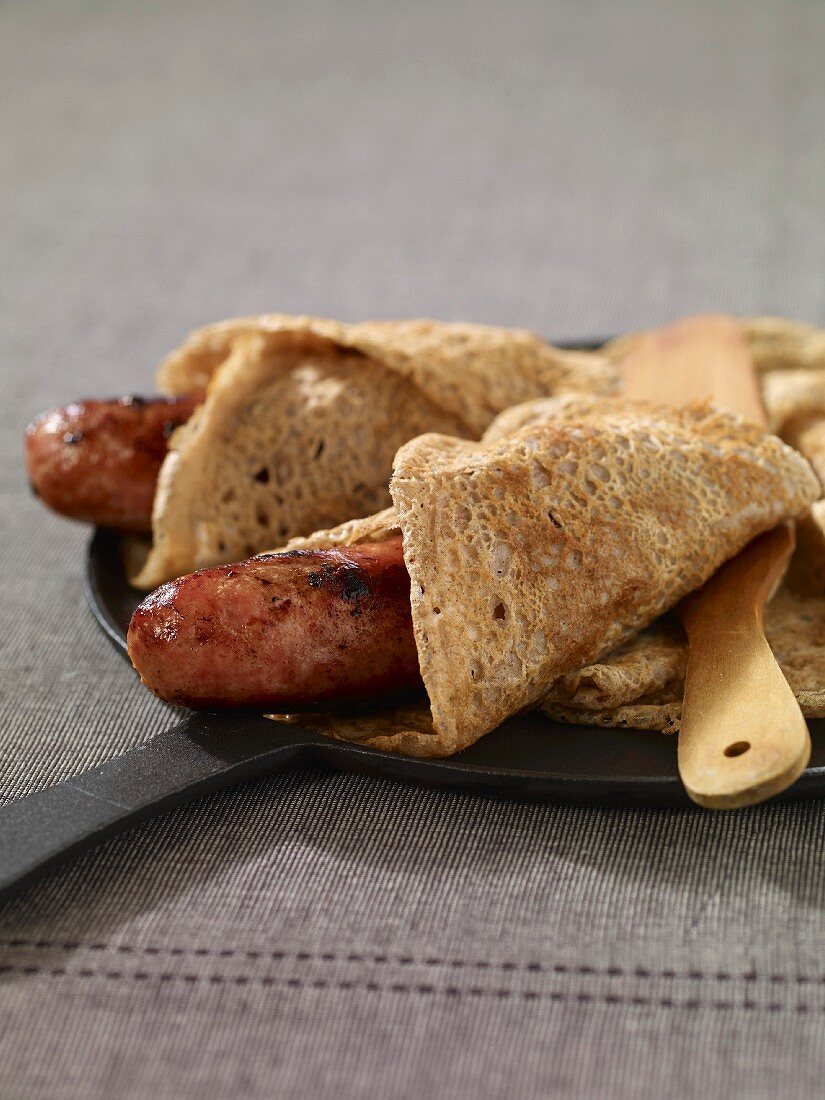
(537, 553)
(304, 416)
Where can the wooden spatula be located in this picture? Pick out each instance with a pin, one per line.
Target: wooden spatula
(743, 737)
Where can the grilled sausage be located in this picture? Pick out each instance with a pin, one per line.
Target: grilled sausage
(283, 632)
(99, 461)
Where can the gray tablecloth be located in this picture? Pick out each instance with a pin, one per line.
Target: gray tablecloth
(577, 168)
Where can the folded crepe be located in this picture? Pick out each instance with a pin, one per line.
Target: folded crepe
(573, 525)
(303, 416)
(640, 685)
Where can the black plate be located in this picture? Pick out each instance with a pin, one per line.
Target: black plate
(528, 757)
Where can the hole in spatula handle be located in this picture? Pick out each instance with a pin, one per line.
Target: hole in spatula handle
(737, 748)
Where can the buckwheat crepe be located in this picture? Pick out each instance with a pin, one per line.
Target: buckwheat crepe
(640, 685)
(571, 527)
(303, 416)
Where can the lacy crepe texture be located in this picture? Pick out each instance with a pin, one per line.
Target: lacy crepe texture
(535, 518)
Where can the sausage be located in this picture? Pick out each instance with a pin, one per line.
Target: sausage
(98, 461)
(293, 631)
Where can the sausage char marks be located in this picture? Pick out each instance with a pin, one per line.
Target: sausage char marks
(98, 461)
(283, 632)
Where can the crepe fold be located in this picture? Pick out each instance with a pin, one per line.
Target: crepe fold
(640, 685)
(302, 418)
(572, 526)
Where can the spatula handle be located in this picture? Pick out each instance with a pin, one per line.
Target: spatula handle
(743, 737)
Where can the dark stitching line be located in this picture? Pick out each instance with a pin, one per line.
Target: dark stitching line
(424, 989)
(409, 960)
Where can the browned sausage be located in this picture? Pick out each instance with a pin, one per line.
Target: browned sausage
(284, 632)
(98, 461)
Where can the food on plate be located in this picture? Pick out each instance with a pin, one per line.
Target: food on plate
(640, 685)
(540, 527)
(300, 423)
(98, 461)
(573, 525)
(305, 628)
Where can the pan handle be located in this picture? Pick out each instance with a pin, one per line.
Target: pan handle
(200, 754)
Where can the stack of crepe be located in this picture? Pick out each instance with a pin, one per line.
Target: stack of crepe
(543, 558)
(548, 525)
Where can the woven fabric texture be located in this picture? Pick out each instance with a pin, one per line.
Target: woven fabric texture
(580, 169)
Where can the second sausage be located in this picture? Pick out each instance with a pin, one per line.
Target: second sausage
(293, 631)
